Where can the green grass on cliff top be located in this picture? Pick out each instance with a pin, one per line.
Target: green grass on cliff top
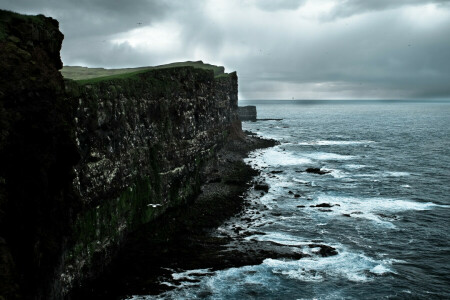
(84, 75)
(7, 16)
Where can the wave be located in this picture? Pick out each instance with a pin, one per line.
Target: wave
(276, 157)
(353, 266)
(337, 173)
(373, 209)
(395, 174)
(267, 278)
(334, 143)
(191, 274)
(279, 238)
(378, 174)
(355, 166)
(327, 156)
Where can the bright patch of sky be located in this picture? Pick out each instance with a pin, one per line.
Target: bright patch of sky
(321, 49)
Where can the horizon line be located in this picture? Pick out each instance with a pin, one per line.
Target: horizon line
(414, 100)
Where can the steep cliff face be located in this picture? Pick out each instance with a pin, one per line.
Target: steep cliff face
(37, 153)
(143, 140)
(85, 163)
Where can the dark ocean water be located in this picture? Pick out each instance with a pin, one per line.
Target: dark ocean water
(389, 187)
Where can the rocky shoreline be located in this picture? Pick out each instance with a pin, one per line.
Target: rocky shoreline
(186, 238)
(181, 237)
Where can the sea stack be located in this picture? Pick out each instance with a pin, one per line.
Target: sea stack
(247, 113)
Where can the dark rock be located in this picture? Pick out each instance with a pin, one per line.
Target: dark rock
(262, 187)
(214, 179)
(258, 233)
(249, 133)
(297, 196)
(322, 205)
(276, 172)
(389, 217)
(325, 250)
(37, 155)
(316, 171)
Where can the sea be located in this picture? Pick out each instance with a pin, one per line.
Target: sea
(386, 190)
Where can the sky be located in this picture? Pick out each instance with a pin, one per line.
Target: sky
(281, 49)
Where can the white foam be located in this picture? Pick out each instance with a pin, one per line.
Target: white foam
(370, 208)
(279, 238)
(396, 174)
(334, 143)
(190, 274)
(327, 156)
(168, 284)
(300, 181)
(337, 173)
(380, 270)
(355, 166)
(275, 157)
(384, 174)
(366, 175)
(223, 284)
(352, 266)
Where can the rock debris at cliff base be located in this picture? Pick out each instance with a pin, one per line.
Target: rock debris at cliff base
(181, 239)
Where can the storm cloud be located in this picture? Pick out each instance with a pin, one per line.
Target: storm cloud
(321, 49)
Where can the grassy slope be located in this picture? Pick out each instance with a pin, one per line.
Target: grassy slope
(90, 75)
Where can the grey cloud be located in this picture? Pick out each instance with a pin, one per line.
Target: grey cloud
(88, 24)
(347, 8)
(393, 61)
(379, 56)
(274, 5)
(99, 17)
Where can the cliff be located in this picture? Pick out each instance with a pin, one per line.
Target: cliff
(37, 153)
(143, 141)
(85, 163)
